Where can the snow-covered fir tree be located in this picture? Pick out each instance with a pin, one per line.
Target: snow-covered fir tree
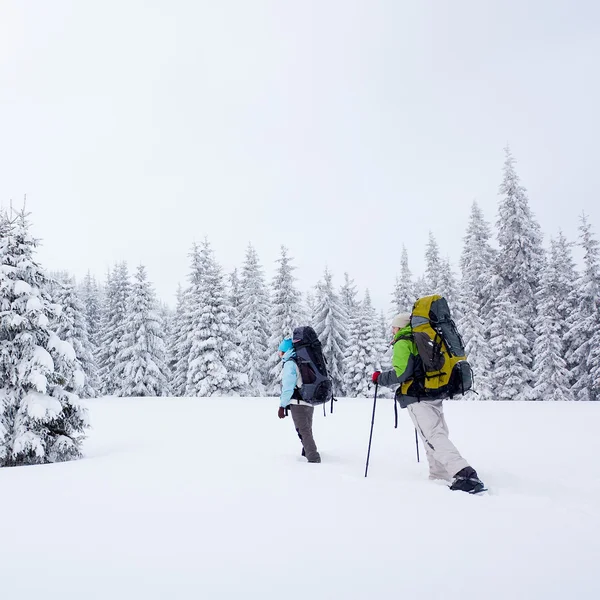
(235, 291)
(114, 323)
(404, 295)
(519, 264)
(361, 355)
(584, 323)
(448, 287)
(142, 357)
(254, 319)
(551, 374)
(521, 256)
(331, 325)
(311, 305)
(41, 421)
(286, 314)
(422, 288)
(186, 322)
(216, 366)
(348, 295)
(173, 337)
(433, 265)
(92, 304)
(70, 324)
(477, 267)
(512, 364)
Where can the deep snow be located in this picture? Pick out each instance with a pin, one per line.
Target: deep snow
(209, 499)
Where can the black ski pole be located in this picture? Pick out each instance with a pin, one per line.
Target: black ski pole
(371, 434)
(417, 444)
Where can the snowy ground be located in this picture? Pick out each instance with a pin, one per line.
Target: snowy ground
(209, 499)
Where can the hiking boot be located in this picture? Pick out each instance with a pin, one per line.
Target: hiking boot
(316, 459)
(466, 480)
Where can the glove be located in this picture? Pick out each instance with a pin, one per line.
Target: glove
(281, 412)
(375, 376)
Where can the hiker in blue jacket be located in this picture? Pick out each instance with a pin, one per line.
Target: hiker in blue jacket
(290, 399)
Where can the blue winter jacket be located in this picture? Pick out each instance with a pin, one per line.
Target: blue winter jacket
(289, 378)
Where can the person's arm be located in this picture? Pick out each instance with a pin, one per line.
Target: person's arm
(289, 379)
(402, 363)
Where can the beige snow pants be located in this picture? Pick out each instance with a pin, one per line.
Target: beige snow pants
(443, 457)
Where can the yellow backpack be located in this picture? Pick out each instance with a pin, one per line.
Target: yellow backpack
(446, 371)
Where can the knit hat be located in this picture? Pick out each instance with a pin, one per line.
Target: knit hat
(286, 345)
(401, 320)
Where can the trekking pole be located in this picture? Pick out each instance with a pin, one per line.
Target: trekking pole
(417, 444)
(371, 434)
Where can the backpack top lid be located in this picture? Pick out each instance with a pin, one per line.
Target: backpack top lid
(432, 309)
(305, 336)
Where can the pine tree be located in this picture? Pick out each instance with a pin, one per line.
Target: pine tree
(142, 357)
(477, 266)
(254, 318)
(187, 321)
(404, 295)
(361, 355)
(114, 323)
(70, 325)
(235, 291)
(331, 324)
(215, 362)
(512, 365)
(348, 295)
(286, 314)
(519, 262)
(92, 305)
(173, 337)
(448, 287)
(584, 324)
(551, 374)
(521, 257)
(40, 420)
(433, 265)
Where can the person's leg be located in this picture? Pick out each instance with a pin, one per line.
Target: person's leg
(428, 417)
(302, 417)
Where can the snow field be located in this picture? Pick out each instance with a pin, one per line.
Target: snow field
(209, 498)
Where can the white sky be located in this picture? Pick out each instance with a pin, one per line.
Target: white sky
(340, 128)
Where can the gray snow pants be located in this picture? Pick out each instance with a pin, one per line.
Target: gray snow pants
(303, 419)
(443, 457)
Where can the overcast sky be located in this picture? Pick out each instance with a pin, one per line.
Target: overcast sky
(339, 128)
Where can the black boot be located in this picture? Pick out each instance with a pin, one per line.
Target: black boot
(466, 480)
(303, 452)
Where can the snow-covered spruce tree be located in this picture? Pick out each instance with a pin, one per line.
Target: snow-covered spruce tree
(348, 295)
(551, 374)
(519, 262)
(361, 355)
(187, 314)
(422, 288)
(404, 295)
(41, 421)
(254, 319)
(235, 291)
(433, 265)
(512, 365)
(114, 323)
(331, 326)
(70, 325)
(584, 323)
(448, 287)
(216, 364)
(477, 267)
(383, 350)
(173, 336)
(521, 256)
(311, 306)
(286, 314)
(142, 357)
(92, 304)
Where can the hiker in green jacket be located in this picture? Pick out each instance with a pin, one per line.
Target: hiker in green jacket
(445, 461)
